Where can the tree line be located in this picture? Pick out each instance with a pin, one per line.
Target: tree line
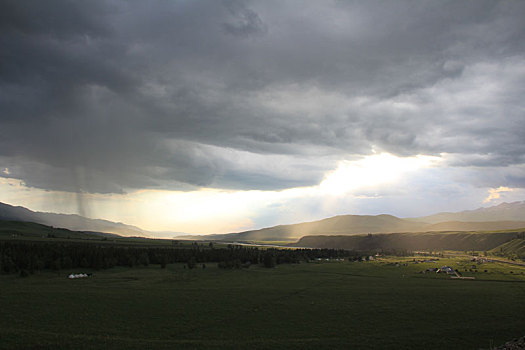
(28, 257)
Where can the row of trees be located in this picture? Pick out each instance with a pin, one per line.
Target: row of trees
(18, 256)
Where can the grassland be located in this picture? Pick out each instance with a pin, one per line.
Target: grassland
(385, 304)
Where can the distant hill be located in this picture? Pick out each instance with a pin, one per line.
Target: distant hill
(18, 229)
(503, 212)
(501, 217)
(514, 248)
(475, 226)
(337, 225)
(71, 222)
(481, 241)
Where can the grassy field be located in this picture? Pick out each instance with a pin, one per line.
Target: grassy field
(328, 305)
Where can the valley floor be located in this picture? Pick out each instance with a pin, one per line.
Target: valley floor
(385, 304)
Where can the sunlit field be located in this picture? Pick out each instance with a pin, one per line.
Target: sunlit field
(382, 304)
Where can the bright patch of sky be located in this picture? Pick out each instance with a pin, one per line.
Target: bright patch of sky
(380, 183)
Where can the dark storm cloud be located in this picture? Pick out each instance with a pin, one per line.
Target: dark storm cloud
(109, 96)
(247, 21)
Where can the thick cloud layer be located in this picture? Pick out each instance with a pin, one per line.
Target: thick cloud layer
(118, 95)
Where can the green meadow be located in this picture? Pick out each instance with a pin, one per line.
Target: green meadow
(384, 304)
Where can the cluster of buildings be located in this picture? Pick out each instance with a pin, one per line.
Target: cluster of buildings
(443, 269)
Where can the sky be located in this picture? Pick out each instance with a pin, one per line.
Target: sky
(223, 116)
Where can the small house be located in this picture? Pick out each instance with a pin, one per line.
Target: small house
(447, 269)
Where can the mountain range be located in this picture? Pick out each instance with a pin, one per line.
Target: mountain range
(514, 211)
(68, 221)
(500, 217)
(504, 216)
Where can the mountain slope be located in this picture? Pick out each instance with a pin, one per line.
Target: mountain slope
(475, 226)
(500, 217)
(337, 225)
(503, 212)
(34, 230)
(413, 241)
(71, 222)
(514, 248)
